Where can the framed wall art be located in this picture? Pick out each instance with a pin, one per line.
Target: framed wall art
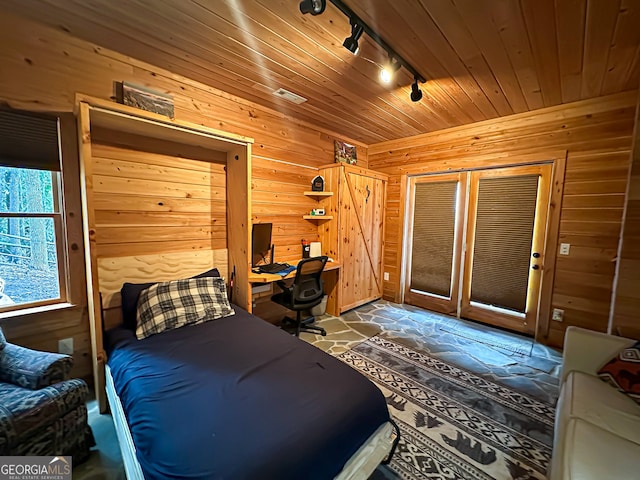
(344, 152)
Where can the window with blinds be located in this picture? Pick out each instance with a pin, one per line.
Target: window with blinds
(32, 236)
(433, 237)
(503, 238)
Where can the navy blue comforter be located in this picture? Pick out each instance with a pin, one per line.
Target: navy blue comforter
(237, 398)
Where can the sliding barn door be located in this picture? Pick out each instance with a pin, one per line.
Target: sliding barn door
(362, 200)
(505, 237)
(436, 209)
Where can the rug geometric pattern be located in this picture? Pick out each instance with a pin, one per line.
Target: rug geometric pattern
(454, 424)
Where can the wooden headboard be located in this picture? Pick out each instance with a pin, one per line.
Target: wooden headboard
(113, 272)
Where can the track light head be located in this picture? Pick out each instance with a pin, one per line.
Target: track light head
(388, 71)
(314, 7)
(351, 43)
(416, 93)
(358, 27)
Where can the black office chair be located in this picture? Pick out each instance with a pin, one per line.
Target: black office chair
(305, 292)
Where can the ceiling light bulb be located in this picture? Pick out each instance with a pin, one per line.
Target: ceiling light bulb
(388, 71)
(314, 7)
(386, 74)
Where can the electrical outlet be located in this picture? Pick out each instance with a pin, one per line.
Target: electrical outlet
(564, 248)
(386, 276)
(65, 345)
(557, 315)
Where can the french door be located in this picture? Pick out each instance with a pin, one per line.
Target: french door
(476, 244)
(437, 203)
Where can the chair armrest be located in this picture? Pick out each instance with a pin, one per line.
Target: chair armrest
(33, 369)
(587, 351)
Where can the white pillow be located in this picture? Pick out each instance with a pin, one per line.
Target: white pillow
(168, 305)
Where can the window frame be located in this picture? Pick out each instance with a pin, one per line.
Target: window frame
(61, 238)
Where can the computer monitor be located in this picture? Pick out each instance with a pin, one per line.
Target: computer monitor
(260, 242)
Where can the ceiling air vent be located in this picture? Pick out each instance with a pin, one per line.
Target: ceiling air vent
(289, 96)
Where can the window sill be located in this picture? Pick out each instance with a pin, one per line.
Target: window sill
(24, 312)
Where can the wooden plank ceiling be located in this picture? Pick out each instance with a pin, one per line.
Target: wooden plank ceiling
(481, 58)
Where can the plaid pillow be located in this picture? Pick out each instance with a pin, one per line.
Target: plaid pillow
(130, 293)
(168, 305)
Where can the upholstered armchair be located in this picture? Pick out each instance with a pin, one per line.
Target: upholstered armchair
(41, 411)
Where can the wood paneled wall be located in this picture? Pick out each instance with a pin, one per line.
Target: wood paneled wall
(43, 68)
(151, 203)
(277, 188)
(626, 310)
(154, 199)
(597, 137)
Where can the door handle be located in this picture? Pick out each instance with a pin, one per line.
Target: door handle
(366, 200)
(535, 267)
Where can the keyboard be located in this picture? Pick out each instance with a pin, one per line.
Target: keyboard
(273, 267)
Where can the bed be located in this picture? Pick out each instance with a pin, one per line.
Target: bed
(241, 399)
(232, 397)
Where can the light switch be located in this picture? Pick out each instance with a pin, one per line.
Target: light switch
(386, 276)
(564, 248)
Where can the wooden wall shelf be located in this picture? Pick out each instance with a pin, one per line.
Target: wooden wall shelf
(318, 217)
(318, 194)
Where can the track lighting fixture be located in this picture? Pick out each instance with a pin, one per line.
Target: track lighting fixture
(389, 71)
(358, 27)
(351, 43)
(314, 7)
(416, 93)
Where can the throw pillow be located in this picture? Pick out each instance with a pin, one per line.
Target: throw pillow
(169, 305)
(623, 371)
(209, 273)
(130, 294)
(3, 341)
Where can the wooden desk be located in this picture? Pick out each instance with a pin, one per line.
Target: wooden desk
(330, 276)
(273, 277)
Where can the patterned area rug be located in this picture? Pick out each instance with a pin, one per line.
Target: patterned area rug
(454, 424)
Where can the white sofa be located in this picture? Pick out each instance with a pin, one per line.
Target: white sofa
(597, 428)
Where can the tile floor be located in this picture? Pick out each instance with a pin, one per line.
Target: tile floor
(535, 373)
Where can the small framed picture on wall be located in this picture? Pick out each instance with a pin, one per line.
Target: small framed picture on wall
(344, 152)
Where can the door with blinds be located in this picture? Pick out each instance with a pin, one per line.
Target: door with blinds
(508, 209)
(475, 244)
(435, 240)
